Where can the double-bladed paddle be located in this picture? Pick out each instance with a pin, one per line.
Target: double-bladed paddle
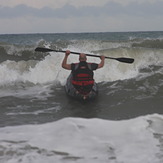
(122, 59)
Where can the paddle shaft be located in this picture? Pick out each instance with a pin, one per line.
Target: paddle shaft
(122, 59)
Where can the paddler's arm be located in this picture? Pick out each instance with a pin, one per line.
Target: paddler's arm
(101, 64)
(64, 62)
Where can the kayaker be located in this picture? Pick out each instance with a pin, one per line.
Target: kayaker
(82, 72)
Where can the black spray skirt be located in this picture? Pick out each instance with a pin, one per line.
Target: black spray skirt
(72, 92)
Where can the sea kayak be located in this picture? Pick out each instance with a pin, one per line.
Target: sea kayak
(73, 92)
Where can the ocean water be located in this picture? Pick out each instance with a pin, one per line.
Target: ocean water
(39, 123)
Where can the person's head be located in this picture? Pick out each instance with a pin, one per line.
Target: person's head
(82, 57)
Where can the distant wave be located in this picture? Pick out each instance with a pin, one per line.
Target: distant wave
(155, 44)
(22, 63)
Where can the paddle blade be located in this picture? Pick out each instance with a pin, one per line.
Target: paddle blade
(39, 49)
(125, 60)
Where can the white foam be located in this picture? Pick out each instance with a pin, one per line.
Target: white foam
(84, 140)
(50, 70)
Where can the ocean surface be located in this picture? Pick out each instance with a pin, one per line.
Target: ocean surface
(39, 123)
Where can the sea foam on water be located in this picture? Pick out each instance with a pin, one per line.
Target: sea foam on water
(84, 140)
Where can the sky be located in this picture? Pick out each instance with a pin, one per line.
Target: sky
(67, 16)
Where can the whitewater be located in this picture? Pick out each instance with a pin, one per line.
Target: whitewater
(39, 123)
(84, 140)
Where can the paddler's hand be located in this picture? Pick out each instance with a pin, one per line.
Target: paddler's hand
(67, 53)
(102, 57)
(101, 64)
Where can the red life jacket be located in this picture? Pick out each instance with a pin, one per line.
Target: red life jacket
(83, 77)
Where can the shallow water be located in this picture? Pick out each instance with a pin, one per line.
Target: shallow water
(35, 111)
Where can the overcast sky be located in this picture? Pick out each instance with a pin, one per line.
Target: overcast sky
(58, 16)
